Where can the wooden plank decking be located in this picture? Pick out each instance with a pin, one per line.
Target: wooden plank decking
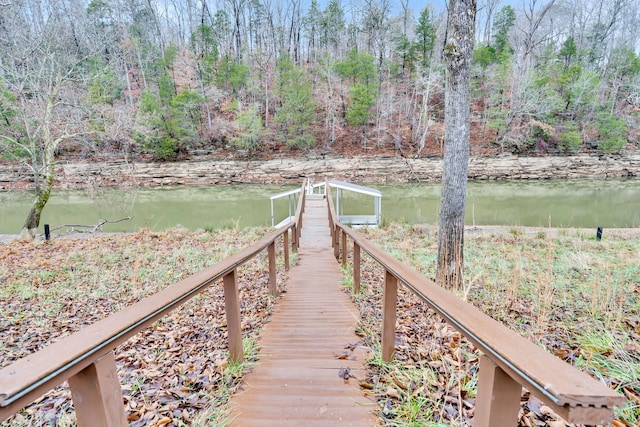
(297, 381)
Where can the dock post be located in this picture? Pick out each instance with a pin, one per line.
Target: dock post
(232, 309)
(273, 286)
(390, 300)
(498, 398)
(97, 395)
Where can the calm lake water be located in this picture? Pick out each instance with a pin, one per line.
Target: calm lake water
(585, 203)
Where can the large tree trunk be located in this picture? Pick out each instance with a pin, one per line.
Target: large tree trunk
(457, 56)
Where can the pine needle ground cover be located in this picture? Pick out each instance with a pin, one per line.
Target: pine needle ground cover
(575, 296)
(174, 373)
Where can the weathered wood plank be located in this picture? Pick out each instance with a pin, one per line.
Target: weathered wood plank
(297, 380)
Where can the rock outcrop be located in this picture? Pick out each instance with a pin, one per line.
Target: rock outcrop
(205, 171)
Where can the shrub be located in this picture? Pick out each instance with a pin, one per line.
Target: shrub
(612, 133)
(570, 140)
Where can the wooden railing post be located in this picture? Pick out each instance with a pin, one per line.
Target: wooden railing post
(356, 268)
(232, 309)
(336, 242)
(97, 395)
(344, 248)
(389, 316)
(498, 397)
(273, 286)
(285, 242)
(294, 238)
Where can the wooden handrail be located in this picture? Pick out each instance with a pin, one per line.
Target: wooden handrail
(509, 360)
(85, 358)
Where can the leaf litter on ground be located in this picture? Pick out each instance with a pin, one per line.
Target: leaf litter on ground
(174, 373)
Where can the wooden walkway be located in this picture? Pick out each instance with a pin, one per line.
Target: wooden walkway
(299, 378)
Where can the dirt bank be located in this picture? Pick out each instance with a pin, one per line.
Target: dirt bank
(208, 171)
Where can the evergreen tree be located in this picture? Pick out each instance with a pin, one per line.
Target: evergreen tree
(332, 26)
(362, 100)
(250, 130)
(167, 122)
(231, 75)
(568, 52)
(296, 113)
(425, 37)
(612, 133)
(504, 21)
(360, 69)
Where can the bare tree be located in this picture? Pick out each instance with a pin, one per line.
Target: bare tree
(237, 11)
(43, 76)
(529, 37)
(375, 25)
(457, 57)
(489, 8)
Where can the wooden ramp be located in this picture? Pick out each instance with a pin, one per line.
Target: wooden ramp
(299, 380)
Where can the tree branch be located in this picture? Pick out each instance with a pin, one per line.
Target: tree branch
(82, 228)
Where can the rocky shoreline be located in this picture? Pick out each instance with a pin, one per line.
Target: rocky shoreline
(210, 171)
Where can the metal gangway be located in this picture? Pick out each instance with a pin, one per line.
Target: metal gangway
(355, 219)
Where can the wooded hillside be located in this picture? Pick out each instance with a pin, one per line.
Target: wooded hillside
(168, 78)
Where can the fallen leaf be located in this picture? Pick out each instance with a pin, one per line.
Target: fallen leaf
(392, 392)
(562, 353)
(399, 383)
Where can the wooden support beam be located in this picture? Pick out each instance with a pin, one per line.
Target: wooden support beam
(389, 316)
(498, 398)
(97, 396)
(356, 268)
(273, 286)
(336, 242)
(232, 309)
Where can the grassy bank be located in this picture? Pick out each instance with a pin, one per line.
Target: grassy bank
(175, 372)
(576, 297)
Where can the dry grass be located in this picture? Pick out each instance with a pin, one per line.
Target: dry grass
(574, 296)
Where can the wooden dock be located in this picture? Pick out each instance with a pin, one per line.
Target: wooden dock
(310, 358)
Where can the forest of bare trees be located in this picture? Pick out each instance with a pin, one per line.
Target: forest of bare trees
(167, 78)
